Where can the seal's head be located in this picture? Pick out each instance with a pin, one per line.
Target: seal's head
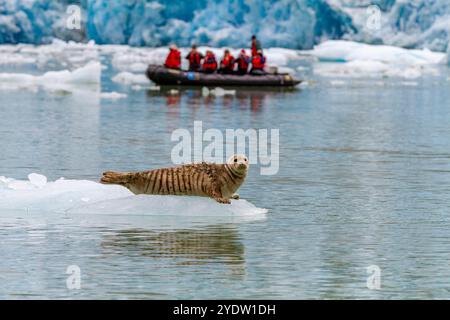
(239, 163)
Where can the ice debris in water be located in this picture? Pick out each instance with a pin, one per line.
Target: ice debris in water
(219, 92)
(88, 197)
(88, 75)
(112, 95)
(129, 78)
(351, 59)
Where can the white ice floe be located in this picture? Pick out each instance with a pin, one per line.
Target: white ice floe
(88, 75)
(345, 51)
(88, 197)
(351, 59)
(112, 95)
(218, 92)
(129, 78)
(37, 180)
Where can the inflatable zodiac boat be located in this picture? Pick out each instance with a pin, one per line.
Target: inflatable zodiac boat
(164, 76)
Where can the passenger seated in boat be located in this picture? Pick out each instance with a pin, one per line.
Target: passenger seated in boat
(209, 63)
(242, 62)
(173, 60)
(227, 63)
(194, 58)
(258, 64)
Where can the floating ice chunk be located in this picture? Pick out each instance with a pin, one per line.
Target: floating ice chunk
(112, 95)
(88, 197)
(344, 51)
(87, 75)
(154, 88)
(352, 59)
(169, 206)
(222, 92)
(37, 180)
(371, 69)
(205, 91)
(129, 78)
(174, 91)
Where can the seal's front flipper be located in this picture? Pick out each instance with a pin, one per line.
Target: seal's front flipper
(223, 200)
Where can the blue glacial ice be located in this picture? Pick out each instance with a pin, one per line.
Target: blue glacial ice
(298, 24)
(292, 24)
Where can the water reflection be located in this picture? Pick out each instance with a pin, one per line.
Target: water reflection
(212, 244)
(253, 98)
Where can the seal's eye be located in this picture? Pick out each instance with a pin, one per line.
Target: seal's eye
(235, 160)
(245, 159)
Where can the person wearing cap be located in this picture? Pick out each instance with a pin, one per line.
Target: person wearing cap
(242, 62)
(258, 63)
(227, 63)
(194, 58)
(173, 60)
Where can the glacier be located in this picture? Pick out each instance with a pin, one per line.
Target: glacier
(292, 24)
(297, 24)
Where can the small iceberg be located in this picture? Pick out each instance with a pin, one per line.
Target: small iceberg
(340, 58)
(72, 197)
(88, 75)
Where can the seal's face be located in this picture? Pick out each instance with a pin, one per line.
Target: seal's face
(239, 162)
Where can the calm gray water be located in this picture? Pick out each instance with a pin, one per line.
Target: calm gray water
(364, 180)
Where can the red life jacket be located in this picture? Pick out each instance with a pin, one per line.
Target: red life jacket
(209, 63)
(227, 62)
(258, 62)
(194, 59)
(173, 60)
(243, 62)
(254, 50)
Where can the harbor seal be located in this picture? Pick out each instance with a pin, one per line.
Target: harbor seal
(218, 181)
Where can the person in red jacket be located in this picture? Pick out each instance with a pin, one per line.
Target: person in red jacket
(194, 58)
(227, 63)
(209, 63)
(242, 62)
(256, 45)
(173, 60)
(258, 64)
